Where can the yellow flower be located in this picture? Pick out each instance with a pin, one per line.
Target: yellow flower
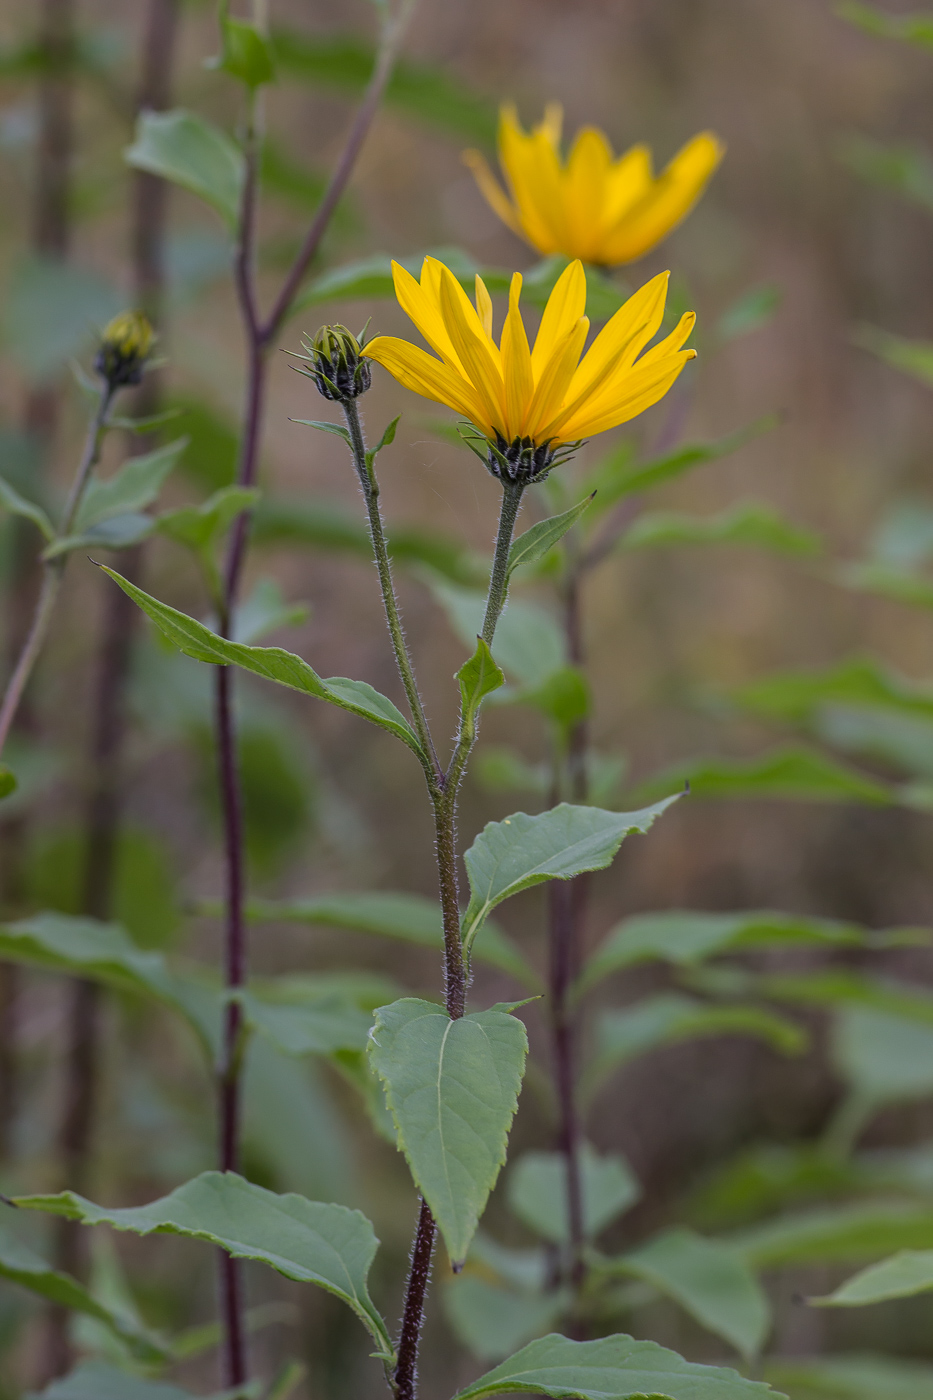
(539, 399)
(125, 345)
(602, 210)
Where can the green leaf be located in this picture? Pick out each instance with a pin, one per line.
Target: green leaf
(264, 611)
(493, 1319)
(750, 523)
(754, 309)
(912, 29)
(85, 947)
(904, 1275)
(427, 92)
(521, 851)
(886, 1058)
(853, 1376)
(51, 312)
(8, 782)
(20, 1265)
(537, 1192)
(477, 678)
(388, 437)
(613, 1368)
(321, 1027)
(686, 937)
(335, 429)
(535, 543)
(308, 1241)
(528, 645)
(709, 1281)
(669, 1019)
(199, 528)
(564, 696)
(246, 54)
(273, 663)
(860, 681)
(904, 167)
(15, 504)
(913, 357)
(133, 487)
(900, 585)
(121, 532)
(409, 917)
(839, 1234)
(182, 147)
(452, 1089)
(93, 1380)
(790, 771)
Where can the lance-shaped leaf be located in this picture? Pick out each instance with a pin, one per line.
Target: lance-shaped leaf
(709, 1281)
(308, 1241)
(750, 312)
(537, 1192)
(535, 543)
(751, 523)
(408, 917)
(521, 851)
(452, 1089)
(861, 681)
(904, 1275)
(898, 584)
(613, 1368)
(93, 1380)
(22, 1266)
(838, 1234)
(315, 1028)
(478, 677)
(16, 504)
(136, 485)
(272, 663)
(852, 1376)
(189, 151)
(791, 772)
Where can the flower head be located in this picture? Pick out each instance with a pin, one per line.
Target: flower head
(125, 345)
(606, 211)
(336, 364)
(527, 401)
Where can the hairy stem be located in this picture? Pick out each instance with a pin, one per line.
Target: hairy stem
(499, 579)
(419, 1275)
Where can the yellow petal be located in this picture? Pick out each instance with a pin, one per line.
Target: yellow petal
(555, 381)
(492, 191)
(422, 307)
(516, 364)
(585, 187)
(629, 180)
(418, 370)
(565, 306)
(674, 194)
(553, 122)
(642, 389)
(672, 342)
(629, 330)
(532, 166)
(484, 305)
(480, 359)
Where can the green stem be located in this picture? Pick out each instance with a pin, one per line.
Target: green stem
(499, 578)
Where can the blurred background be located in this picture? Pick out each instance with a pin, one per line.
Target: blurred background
(811, 242)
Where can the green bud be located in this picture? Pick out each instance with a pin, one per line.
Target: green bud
(125, 346)
(337, 366)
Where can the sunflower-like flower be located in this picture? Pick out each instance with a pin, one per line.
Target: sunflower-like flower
(530, 403)
(606, 211)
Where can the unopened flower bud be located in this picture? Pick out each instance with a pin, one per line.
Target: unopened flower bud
(336, 363)
(125, 346)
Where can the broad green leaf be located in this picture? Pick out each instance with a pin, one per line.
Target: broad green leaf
(200, 527)
(613, 1368)
(899, 585)
(912, 29)
(452, 1089)
(685, 937)
(477, 678)
(308, 1241)
(791, 771)
(913, 357)
(85, 947)
(884, 1057)
(371, 278)
(264, 611)
(619, 476)
(905, 166)
(754, 309)
(16, 504)
(840, 986)
(429, 93)
(93, 1380)
(528, 645)
(852, 1376)
(564, 697)
(130, 489)
(904, 1275)
(493, 1319)
(195, 640)
(669, 1019)
(317, 1028)
(750, 523)
(861, 681)
(186, 149)
(52, 310)
(535, 543)
(120, 532)
(709, 1281)
(521, 851)
(8, 782)
(537, 1192)
(20, 1265)
(246, 54)
(838, 1234)
(409, 917)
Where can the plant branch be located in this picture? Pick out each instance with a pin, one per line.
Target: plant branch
(405, 1380)
(512, 492)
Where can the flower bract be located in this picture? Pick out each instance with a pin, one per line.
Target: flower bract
(601, 209)
(540, 395)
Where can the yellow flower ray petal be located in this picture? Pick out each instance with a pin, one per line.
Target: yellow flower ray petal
(418, 370)
(516, 159)
(630, 329)
(484, 305)
(554, 382)
(584, 187)
(516, 364)
(474, 350)
(565, 306)
(672, 342)
(643, 390)
(674, 194)
(616, 378)
(630, 179)
(493, 193)
(422, 309)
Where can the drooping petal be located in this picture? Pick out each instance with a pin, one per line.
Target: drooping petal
(552, 386)
(669, 201)
(516, 364)
(422, 307)
(484, 306)
(642, 389)
(418, 370)
(493, 193)
(565, 306)
(481, 360)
